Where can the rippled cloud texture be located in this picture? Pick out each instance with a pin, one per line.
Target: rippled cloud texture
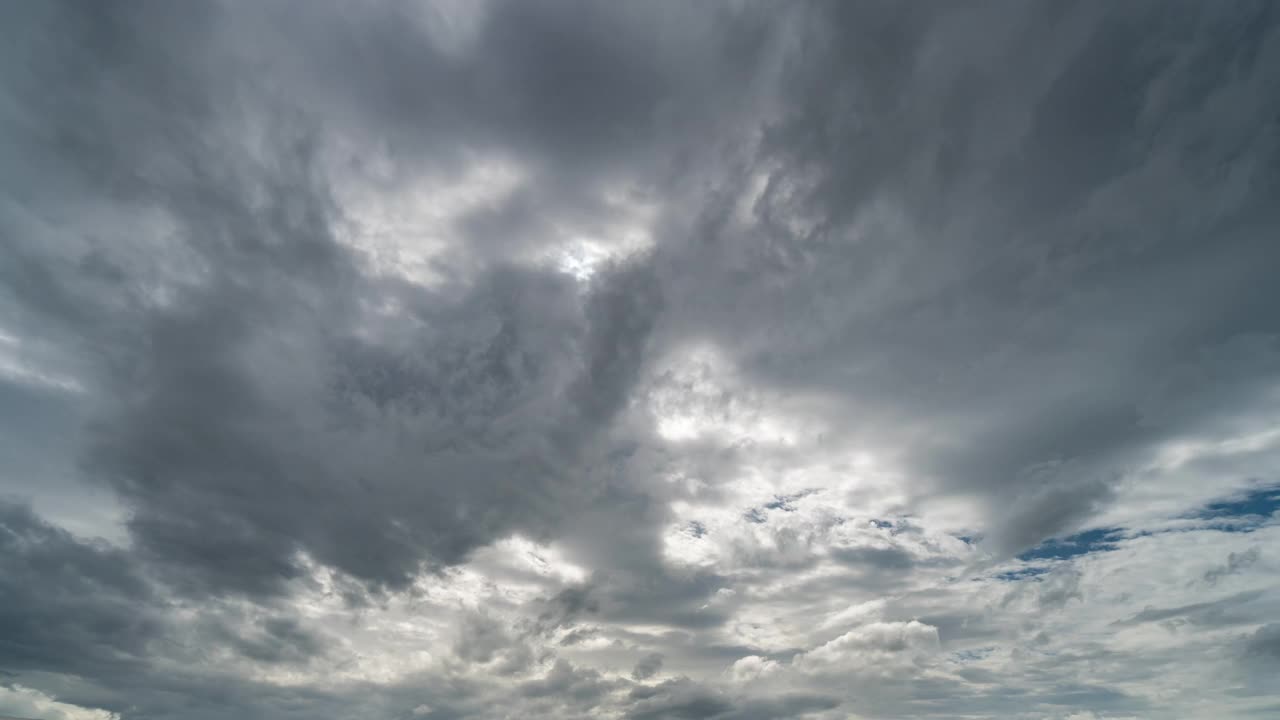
(639, 360)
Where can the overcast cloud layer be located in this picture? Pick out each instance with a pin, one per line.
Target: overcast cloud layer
(639, 360)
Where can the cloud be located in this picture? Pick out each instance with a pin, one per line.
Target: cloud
(1236, 562)
(69, 605)
(20, 701)
(647, 666)
(877, 648)
(1215, 612)
(575, 359)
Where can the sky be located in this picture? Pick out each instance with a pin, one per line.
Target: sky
(665, 360)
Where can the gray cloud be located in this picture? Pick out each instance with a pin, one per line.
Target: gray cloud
(68, 605)
(1265, 643)
(575, 359)
(1216, 612)
(1236, 562)
(647, 666)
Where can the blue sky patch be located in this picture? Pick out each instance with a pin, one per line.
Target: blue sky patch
(1242, 513)
(1095, 540)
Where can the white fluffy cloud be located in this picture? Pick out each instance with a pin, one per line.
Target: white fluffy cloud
(24, 702)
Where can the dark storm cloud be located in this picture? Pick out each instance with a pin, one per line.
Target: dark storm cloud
(274, 640)
(235, 462)
(68, 606)
(1005, 202)
(90, 610)
(1013, 250)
